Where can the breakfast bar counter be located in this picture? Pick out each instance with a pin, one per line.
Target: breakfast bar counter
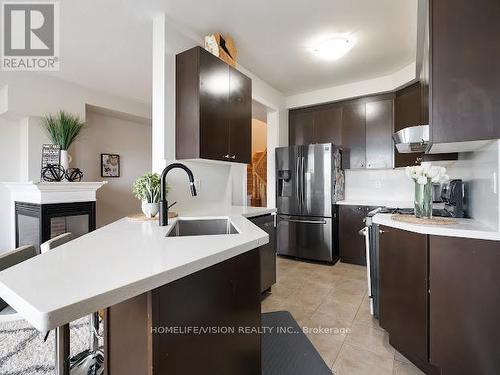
(117, 262)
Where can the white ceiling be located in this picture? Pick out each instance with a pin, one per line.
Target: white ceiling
(107, 45)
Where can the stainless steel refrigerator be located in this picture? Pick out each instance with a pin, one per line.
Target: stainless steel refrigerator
(309, 180)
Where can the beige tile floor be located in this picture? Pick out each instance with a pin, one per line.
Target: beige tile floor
(335, 298)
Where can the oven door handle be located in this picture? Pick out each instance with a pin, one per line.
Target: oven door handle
(366, 233)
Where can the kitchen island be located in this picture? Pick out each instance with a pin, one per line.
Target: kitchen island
(140, 275)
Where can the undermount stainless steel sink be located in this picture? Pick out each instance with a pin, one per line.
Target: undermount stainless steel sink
(202, 227)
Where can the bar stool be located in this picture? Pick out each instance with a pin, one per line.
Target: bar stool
(94, 357)
(9, 259)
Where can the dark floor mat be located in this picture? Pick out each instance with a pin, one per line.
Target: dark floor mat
(286, 350)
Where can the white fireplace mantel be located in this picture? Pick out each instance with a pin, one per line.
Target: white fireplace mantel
(53, 192)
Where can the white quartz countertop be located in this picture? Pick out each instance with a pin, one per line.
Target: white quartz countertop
(466, 228)
(245, 211)
(117, 262)
(376, 203)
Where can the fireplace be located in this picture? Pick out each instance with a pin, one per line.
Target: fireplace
(37, 223)
(42, 211)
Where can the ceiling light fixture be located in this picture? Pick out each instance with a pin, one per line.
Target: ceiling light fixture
(333, 48)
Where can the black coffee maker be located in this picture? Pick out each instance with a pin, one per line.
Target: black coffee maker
(453, 197)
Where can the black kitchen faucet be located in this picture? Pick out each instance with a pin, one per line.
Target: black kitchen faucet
(163, 178)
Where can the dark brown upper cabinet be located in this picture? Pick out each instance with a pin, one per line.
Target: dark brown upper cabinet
(322, 125)
(379, 144)
(213, 109)
(328, 125)
(301, 131)
(362, 127)
(464, 70)
(240, 116)
(354, 136)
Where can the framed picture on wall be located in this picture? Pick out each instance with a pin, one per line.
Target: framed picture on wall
(110, 165)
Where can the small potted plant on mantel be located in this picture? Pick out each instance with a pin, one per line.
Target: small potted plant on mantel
(147, 189)
(63, 129)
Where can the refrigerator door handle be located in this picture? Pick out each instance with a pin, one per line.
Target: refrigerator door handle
(322, 222)
(303, 180)
(297, 180)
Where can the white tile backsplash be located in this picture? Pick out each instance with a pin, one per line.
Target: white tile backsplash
(378, 184)
(480, 171)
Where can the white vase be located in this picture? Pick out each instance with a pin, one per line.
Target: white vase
(150, 209)
(65, 160)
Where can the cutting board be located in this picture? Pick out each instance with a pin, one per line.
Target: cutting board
(142, 217)
(432, 221)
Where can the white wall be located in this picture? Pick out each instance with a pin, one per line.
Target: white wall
(24, 98)
(352, 90)
(20, 149)
(10, 171)
(34, 94)
(214, 184)
(129, 138)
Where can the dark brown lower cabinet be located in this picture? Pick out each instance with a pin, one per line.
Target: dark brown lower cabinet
(267, 251)
(403, 291)
(351, 243)
(465, 305)
(154, 333)
(440, 301)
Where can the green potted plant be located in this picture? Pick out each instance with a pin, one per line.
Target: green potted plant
(63, 129)
(147, 189)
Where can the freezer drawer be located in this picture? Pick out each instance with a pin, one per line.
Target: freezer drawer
(305, 237)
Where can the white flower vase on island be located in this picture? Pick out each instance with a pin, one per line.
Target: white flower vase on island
(425, 175)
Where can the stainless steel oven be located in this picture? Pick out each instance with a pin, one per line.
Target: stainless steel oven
(371, 232)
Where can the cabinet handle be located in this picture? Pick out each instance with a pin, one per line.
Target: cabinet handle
(380, 231)
(226, 156)
(233, 156)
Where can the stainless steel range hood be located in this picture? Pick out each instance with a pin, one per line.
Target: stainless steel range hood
(412, 139)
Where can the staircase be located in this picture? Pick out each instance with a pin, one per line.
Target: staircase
(257, 179)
